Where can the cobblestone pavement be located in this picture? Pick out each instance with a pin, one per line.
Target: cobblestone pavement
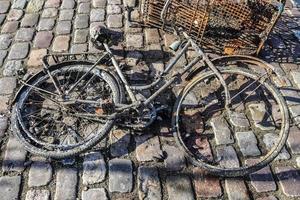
(133, 167)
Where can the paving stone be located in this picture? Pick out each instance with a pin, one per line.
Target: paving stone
(19, 4)
(114, 2)
(236, 189)
(7, 85)
(81, 36)
(66, 15)
(94, 168)
(79, 48)
(239, 120)
(3, 125)
(260, 117)
(4, 103)
(270, 139)
(119, 141)
(5, 41)
(11, 68)
(154, 51)
(37, 195)
(262, 180)
(98, 3)
(63, 27)
(115, 21)
(296, 77)
(61, 43)
(147, 148)
(179, 187)
(148, 183)
(289, 180)
(97, 15)
(2, 18)
(135, 41)
(81, 21)
(18, 51)
(221, 131)
(46, 24)
(43, 39)
(94, 194)
(4, 7)
(34, 6)
(10, 27)
(152, 36)
(52, 3)
(298, 161)
(68, 4)
(24, 34)
(295, 114)
(29, 20)
(49, 12)
(120, 175)
(227, 156)
(113, 9)
(247, 143)
(175, 159)
(14, 157)
(84, 8)
(291, 96)
(3, 55)
(14, 15)
(40, 173)
(130, 3)
(206, 186)
(133, 58)
(271, 197)
(10, 187)
(293, 140)
(66, 184)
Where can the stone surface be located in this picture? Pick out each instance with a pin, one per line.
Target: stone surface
(52, 3)
(134, 41)
(115, 21)
(29, 20)
(10, 187)
(99, 3)
(94, 194)
(130, 3)
(247, 143)
(294, 140)
(152, 36)
(113, 9)
(4, 6)
(10, 27)
(81, 36)
(270, 139)
(7, 85)
(2, 18)
(271, 197)
(97, 15)
(3, 125)
(46, 24)
(18, 51)
(38, 195)
(3, 55)
(84, 8)
(119, 141)
(179, 187)
(298, 161)
(49, 12)
(120, 175)
(14, 15)
(149, 187)
(175, 159)
(66, 15)
(25, 34)
(239, 120)
(35, 57)
(34, 6)
(40, 173)
(61, 43)
(79, 48)
(148, 148)
(11, 68)
(63, 27)
(236, 189)
(94, 168)
(68, 4)
(14, 156)
(289, 180)
(81, 21)
(5, 41)
(66, 184)
(261, 118)
(227, 157)
(221, 131)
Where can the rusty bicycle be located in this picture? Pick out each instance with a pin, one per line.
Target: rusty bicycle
(223, 117)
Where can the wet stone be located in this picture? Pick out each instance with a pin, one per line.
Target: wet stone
(5, 41)
(29, 20)
(119, 140)
(236, 189)
(97, 15)
(270, 139)
(227, 156)
(37, 195)
(4, 6)
(84, 8)
(289, 180)
(40, 173)
(260, 117)
(293, 140)
(98, 3)
(10, 27)
(46, 24)
(206, 186)
(49, 12)
(115, 21)
(81, 21)
(262, 180)
(120, 175)
(221, 131)
(63, 27)
(94, 168)
(81, 36)
(18, 51)
(239, 120)
(148, 184)
(68, 4)
(11, 68)
(148, 148)
(3, 55)
(152, 36)
(113, 9)
(134, 41)
(94, 194)
(66, 184)
(34, 6)
(179, 187)
(247, 143)
(14, 15)
(24, 34)
(61, 44)
(175, 159)
(14, 157)
(10, 187)
(66, 15)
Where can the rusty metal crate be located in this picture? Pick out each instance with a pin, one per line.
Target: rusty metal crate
(221, 26)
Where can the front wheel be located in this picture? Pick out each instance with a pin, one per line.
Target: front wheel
(236, 142)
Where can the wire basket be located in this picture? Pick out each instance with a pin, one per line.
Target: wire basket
(223, 27)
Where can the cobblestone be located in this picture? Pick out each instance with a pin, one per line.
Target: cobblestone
(289, 180)
(29, 20)
(114, 2)
(94, 194)
(130, 3)
(14, 15)
(84, 8)
(94, 168)
(63, 27)
(35, 57)
(38, 195)
(295, 75)
(11, 68)
(18, 51)
(5, 41)
(147, 148)
(270, 139)
(34, 6)
(149, 184)
(221, 131)
(2, 18)
(179, 187)
(81, 21)
(66, 183)
(81, 36)
(79, 48)
(120, 175)
(66, 15)
(236, 189)
(19, 4)
(40, 173)
(52, 3)
(97, 15)
(68, 4)
(175, 159)
(294, 140)
(247, 143)
(4, 7)
(113, 9)
(10, 187)
(134, 41)
(298, 161)
(7, 85)
(49, 12)
(3, 125)
(227, 156)
(46, 24)
(99, 3)
(119, 140)
(271, 197)
(61, 43)
(10, 27)
(260, 117)
(25, 34)
(115, 21)
(239, 120)
(3, 55)
(151, 36)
